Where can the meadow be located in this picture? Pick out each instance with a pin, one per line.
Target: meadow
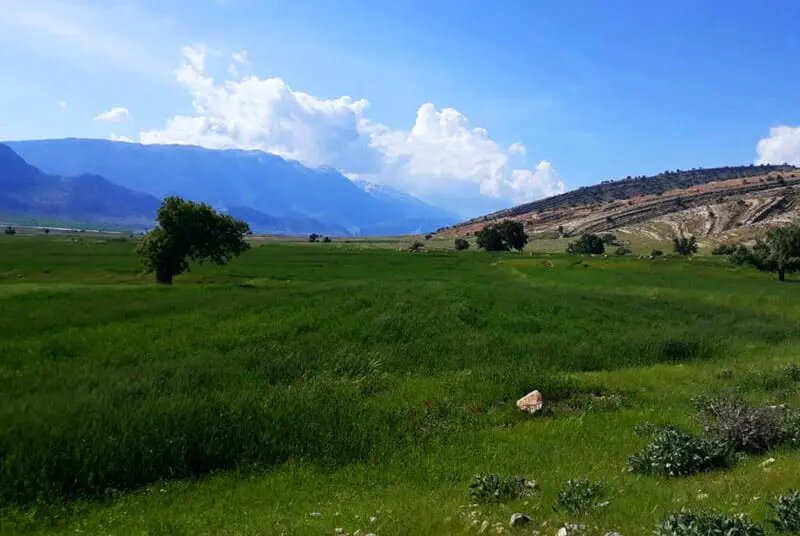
(306, 388)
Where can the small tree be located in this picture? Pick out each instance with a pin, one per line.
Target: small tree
(587, 244)
(46, 231)
(724, 249)
(684, 246)
(10, 231)
(189, 231)
(326, 239)
(609, 239)
(656, 253)
(461, 244)
(778, 252)
(503, 236)
(416, 246)
(313, 237)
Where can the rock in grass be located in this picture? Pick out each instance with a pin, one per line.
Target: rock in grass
(531, 403)
(519, 519)
(571, 529)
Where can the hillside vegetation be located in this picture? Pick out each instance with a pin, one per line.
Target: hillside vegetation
(307, 388)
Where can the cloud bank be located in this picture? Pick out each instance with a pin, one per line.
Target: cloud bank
(441, 157)
(781, 147)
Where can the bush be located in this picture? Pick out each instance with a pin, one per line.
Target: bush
(723, 249)
(503, 236)
(656, 253)
(792, 372)
(313, 237)
(609, 239)
(684, 246)
(622, 250)
(676, 453)
(587, 244)
(743, 427)
(688, 523)
(416, 246)
(461, 244)
(10, 231)
(787, 512)
(327, 239)
(494, 488)
(577, 495)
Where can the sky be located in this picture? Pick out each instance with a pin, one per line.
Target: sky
(471, 105)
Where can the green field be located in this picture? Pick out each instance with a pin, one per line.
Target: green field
(369, 385)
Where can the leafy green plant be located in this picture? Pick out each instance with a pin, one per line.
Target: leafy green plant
(461, 244)
(688, 523)
(745, 428)
(587, 244)
(578, 495)
(491, 487)
(787, 512)
(676, 453)
(684, 245)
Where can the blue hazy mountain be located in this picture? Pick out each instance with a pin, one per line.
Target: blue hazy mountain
(25, 190)
(237, 179)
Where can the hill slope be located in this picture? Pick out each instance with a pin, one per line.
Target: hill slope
(25, 190)
(719, 202)
(234, 178)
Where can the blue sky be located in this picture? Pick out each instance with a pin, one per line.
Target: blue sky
(568, 92)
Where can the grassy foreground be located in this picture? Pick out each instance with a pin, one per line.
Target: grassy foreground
(368, 385)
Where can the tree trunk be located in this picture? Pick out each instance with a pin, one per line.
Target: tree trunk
(781, 275)
(163, 276)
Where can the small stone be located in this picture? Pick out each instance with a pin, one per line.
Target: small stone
(571, 529)
(338, 530)
(373, 519)
(767, 462)
(484, 527)
(315, 514)
(531, 403)
(613, 534)
(519, 519)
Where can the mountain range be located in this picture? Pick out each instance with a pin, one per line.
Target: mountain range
(273, 194)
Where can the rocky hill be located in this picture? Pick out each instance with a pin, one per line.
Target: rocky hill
(718, 202)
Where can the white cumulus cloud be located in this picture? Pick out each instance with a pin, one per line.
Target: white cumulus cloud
(117, 114)
(440, 154)
(781, 147)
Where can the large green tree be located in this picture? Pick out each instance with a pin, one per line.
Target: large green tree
(502, 236)
(778, 251)
(588, 243)
(684, 246)
(189, 231)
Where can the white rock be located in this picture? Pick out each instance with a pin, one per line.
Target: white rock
(531, 403)
(519, 519)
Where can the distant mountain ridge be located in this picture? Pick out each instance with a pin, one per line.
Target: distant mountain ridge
(727, 203)
(25, 190)
(236, 179)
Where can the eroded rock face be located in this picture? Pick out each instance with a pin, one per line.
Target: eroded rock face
(531, 403)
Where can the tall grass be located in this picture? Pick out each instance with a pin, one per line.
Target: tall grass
(322, 354)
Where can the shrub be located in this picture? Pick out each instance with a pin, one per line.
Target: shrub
(676, 453)
(684, 246)
(622, 250)
(587, 244)
(503, 236)
(787, 512)
(688, 523)
(792, 372)
(577, 495)
(428, 236)
(656, 253)
(494, 488)
(416, 246)
(461, 244)
(313, 237)
(327, 239)
(743, 427)
(723, 249)
(609, 239)
(10, 230)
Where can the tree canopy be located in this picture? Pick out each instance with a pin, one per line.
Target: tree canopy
(684, 245)
(778, 251)
(587, 244)
(189, 231)
(502, 236)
